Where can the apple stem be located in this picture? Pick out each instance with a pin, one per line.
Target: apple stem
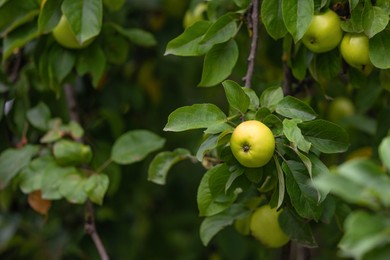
(246, 148)
(253, 24)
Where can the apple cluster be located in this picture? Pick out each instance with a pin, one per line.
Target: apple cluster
(324, 34)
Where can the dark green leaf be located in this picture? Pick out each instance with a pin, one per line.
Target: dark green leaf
(114, 5)
(219, 63)
(52, 177)
(61, 62)
(325, 66)
(271, 14)
(136, 35)
(281, 183)
(303, 196)
(49, 16)
(85, 17)
(92, 61)
(187, 44)
(355, 23)
(236, 96)
(72, 188)
(13, 160)
(299, 63)
(325, 136)
(379, 46)
(297, 16)
(212, 225)
(163, 162)
(375, 19)
(297, 228)
(134, 146)
(292, 107)
(67, 152)
(207, 145)
(193, 117)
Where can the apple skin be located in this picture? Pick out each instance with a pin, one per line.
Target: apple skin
(64, 35)
(354, 49)
(252, 144)
(340, 108)
(264, 226)
(324, 32)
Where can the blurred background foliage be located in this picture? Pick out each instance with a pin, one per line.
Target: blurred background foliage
(139, 219)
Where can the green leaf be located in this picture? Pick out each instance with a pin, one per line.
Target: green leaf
(297, 228)
(271, 15)
(254, 99)
(293, 134)
(219, 63)
(358, 181)
(303, 196)
(297, 16)
(355, 23)
(136, 35)
(220, 31)
(12, 161)
(208, 204)
(384, 152)
(61, 61)
(96, 187)
(375, 19)
(135, 145)
(52, 177)
(30, 178)
(84, 16)
(39, 116)
(92, 61)
(273, 122)
(163, 162)
(187, 44)
(212, 225)
(18, 38)
(299, 62)
(67, 152)
(325, 136)
(379, 46)
(236, 96)
(292, 107)
(16, 13)
(49, 16)
(325, 66)
(385, 79)
(271, 97)
(281, 183)
(114, 5)
(207, 145)
(72, 188)
(353, 3)
(364, 232)
(194, 117)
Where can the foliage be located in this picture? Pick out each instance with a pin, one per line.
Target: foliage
(74, 121)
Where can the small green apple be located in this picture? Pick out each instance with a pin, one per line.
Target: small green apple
(324, 32)
(264, 226)
(64, 35)
(354, 48)
(340, 108)
(252, 143)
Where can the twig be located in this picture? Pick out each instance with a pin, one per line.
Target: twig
(89, 226)
(288, 79)
(254, 22)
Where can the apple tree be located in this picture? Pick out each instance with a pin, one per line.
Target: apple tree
(84, 83)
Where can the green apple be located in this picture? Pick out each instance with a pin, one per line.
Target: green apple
(252, 143)
(355, 51)
(340, 108)
(324, 32)
(64, 35)
(264, 226)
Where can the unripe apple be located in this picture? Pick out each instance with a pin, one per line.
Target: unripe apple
(324, 32)
(355, 51)
(64, 35)
(252, 143)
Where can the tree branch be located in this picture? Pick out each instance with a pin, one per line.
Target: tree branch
(254, 25)
(89, 226)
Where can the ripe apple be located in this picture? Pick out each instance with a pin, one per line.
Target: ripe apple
(252, 143)
(264, 226)
(354, 49)
(64, 35)
(340, 108)
(324, 32)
